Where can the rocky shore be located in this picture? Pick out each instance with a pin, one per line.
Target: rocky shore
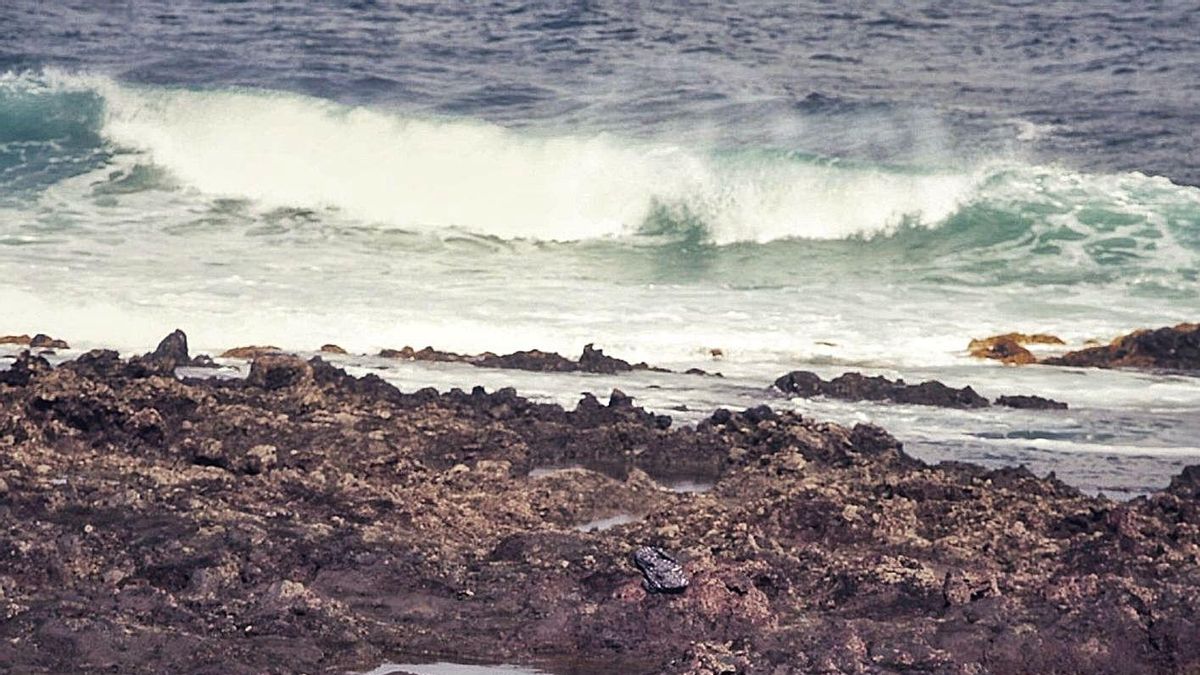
(304, 521)
(1170, 348)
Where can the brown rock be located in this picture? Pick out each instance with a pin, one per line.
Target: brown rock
(1168, 348)
(277, 371)
(1009, 348)
(43, 341)
(332, 349)
(250, 352)
(22, 340)
(351, 522)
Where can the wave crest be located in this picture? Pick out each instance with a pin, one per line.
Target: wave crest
(288, 150)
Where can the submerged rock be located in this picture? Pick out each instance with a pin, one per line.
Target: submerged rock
(1168, 348)
(660, 572)
(858, 387)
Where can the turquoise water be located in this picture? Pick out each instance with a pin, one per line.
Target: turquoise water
(248, 216)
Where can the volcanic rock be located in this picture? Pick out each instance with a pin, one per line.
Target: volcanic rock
(1030, 403)
(661, 573)
(305, 520)
(249, 352)
(1168, 348)
(43, 341)
(858, 387)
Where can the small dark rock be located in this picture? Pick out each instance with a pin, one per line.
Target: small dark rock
(619, 399)
(1030, 403)
(24, 369)
(594, 361)
(661, 573)
(43, 341)
(173, 349)
(278, 371)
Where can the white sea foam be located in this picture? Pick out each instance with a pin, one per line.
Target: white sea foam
(287, 150)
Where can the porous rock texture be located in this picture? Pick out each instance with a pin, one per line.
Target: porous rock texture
(305, 521)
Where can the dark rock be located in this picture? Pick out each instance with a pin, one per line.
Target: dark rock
(24, 369)
(43, 341)
(1030, 403)
(349, 521)
(1187, 483)
(426, 354)
(278, 371)
(660, 572)
(594, 361)
(1169, 348)
(619, 399)
(172, 350)
(534, 360)
(858, 387)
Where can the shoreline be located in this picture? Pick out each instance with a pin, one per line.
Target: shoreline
(304, 520)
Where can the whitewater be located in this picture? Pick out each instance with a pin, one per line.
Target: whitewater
(705, 205)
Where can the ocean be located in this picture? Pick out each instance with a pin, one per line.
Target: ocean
(801, 185)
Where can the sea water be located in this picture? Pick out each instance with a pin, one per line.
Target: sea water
(787, 185)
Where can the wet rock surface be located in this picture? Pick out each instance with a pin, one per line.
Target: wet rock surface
(592, 360)
(1030, 403)
(1010, 347)
(39, 341)
(304, 520)
(1168, 348)
(858, 387)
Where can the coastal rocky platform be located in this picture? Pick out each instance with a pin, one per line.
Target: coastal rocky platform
(303, 521)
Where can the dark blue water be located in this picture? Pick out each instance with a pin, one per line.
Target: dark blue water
(1100, 86)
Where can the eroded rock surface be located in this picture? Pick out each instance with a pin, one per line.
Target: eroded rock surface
(307, 521)
(1168, 348)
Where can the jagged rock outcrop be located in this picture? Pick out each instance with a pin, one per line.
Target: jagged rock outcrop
(1168, 348)
(304, 520)
(859, 387)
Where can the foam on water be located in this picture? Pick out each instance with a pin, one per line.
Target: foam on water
(252, 217)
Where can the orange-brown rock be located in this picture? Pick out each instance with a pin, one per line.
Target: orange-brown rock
(22, 340)
(332, 349)
(1168, 348)
(1009, 348)
(249, 352)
